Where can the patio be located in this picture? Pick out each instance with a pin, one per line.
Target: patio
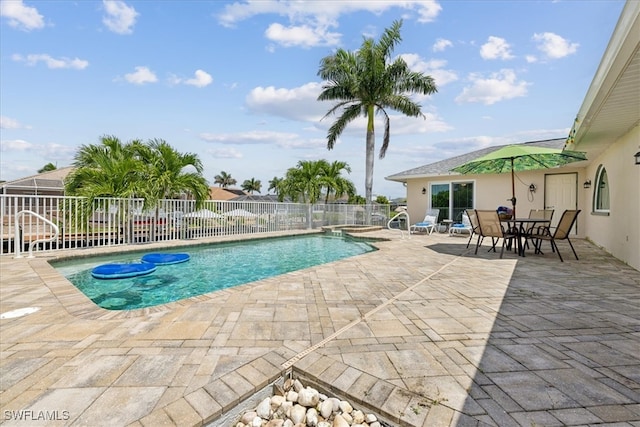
(422, 330)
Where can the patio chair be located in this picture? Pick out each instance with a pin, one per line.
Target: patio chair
(428, 224)
(462, 227)
(489, 226)
(471, 214)
(534, 230)
(561, 232)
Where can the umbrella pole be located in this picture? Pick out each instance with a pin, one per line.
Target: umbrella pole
(513, 190)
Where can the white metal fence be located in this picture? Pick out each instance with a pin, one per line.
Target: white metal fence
(120, 221)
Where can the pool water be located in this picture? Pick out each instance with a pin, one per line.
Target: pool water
(211, 268)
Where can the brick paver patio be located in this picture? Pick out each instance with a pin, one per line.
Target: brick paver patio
(423, 330)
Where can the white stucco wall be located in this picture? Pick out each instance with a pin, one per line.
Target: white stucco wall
(619, 232)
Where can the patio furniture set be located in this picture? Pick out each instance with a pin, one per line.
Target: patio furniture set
(519, 233)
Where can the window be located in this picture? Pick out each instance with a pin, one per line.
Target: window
(452, 198)
(601, 193)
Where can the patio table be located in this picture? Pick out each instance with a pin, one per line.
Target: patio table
(520, 227)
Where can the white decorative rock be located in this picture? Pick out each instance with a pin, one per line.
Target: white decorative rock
(358, 416)
(276, 401)
(312, 417)
(339, 421)
(292, 396)
(326, 408)
(308, 397)
(345, 407)
(324, 424)
(257, 422)
(348, 418)
(264, 409)
(336, 403)
(297, 385)
(247, 417)
(275, 423)
(370, 418)
(298, 412)
(287, 423)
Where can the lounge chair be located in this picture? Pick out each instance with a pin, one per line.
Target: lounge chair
(489, 226)
(462, 227)
(428, 224)
(561, 232)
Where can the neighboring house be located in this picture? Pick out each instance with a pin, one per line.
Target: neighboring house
(606, 187)
(219, 193)
(49, 183)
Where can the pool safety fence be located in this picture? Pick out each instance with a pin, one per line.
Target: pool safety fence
(26, 221)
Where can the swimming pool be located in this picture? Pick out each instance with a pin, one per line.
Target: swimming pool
(211, 268)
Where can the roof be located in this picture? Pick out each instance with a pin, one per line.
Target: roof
(45, 181)
(443, 167)
(219, 193)
(611, 107)
(256, 197)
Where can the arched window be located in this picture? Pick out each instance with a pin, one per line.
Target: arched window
(601, 193)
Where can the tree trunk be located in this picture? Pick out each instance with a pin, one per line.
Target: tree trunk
(370, 152)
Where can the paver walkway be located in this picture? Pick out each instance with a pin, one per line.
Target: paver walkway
(424, 331)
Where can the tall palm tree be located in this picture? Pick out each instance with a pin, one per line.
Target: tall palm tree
(334, 182)
(252, 185)
(367, 82)
(224, 180)
(275, 184)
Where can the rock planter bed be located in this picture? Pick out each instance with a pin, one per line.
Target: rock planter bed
(294, 405)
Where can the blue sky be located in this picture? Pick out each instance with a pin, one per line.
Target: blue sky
(236, 82)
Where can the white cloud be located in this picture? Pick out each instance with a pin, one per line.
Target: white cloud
(16, 145)
(433, 68)
(531, 59)
(251, 138)
(9, 123)
(299, 103)
(496, 48)
(51, 62)
(441, 44)
(201, 79)
(119, 17)
(497, 87)
(20, 16)
(318, 11)
(309, 23)
(554, 46)
(225, 153)
(141, 76)
(302, 35)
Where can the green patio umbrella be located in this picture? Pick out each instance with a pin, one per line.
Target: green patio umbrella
(519, 157)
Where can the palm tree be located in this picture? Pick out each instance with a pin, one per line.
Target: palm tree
(47, 168)
(304, 182)
(170, 173)
(107, 169)
(154, 171)
(275, 184)
(334, 182)
(224, 180)
(366, 82)
(252, 185)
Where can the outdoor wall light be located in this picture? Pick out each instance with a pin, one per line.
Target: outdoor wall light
(637, 156)
(424, 190)
(587, 184)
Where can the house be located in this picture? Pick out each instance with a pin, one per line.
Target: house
(219, 193)
(606, 187)
(49, 183)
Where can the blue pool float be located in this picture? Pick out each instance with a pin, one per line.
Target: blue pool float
(122, 271)
(165, 259)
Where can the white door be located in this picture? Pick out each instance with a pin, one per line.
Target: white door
(560, 193)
